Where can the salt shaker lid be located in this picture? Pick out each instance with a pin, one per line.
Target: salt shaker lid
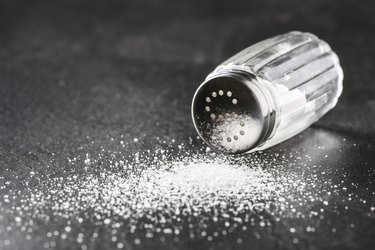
(232, 113)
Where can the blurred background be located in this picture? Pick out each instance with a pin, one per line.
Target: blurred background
(76, 72)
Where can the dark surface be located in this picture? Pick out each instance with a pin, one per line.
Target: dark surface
(74, 72)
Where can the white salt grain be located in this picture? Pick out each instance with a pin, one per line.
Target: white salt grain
(168, 193)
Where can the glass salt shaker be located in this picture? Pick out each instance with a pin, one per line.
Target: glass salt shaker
(267, 93)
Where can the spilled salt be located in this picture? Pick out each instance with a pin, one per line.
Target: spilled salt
(163, 193)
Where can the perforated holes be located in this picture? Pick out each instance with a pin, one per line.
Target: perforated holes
(208, 99)
(207, 108)
(213, 116)
(214, 94)
(221, 92)
(235, 137)
(242, 132)
(229, 94)
(234, 101)
(229, 139)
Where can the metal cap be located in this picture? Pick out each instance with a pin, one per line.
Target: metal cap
(232, 113)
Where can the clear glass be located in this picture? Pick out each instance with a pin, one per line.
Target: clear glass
(297, 73)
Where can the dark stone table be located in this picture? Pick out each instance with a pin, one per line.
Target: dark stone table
(76, 77)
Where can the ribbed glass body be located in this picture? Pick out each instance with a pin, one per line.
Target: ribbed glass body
(300, 72)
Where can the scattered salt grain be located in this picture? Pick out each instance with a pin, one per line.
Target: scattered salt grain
(172, 193)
